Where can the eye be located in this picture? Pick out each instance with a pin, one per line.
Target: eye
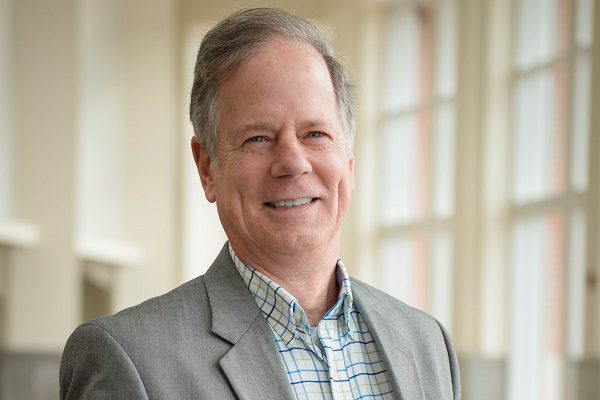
(257, 139)
(315, 134)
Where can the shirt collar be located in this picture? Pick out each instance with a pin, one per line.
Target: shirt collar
(283, 311)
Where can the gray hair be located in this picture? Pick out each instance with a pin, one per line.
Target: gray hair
(238, 37)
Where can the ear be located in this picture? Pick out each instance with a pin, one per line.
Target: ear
(205, 169)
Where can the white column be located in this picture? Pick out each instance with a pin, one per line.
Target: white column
(467, 278)
(592, 300)
(150, 173)
(127, 175)
(42, 286)
(6, 126)
(495, 190)
(100, 123)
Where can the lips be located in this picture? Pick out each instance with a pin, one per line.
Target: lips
(290, 203)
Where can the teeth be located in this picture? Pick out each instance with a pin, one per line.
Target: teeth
(291, 203)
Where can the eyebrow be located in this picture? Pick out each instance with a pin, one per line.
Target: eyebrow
(314, 123)
(257, 126)
(267, 126)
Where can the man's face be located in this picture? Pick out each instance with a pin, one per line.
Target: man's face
(283, 180)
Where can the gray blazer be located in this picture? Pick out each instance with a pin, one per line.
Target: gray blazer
(208, 340)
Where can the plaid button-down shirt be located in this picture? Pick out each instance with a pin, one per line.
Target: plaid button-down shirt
(336, 360)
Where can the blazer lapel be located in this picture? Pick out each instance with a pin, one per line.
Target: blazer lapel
(398, 357)
(253, 367)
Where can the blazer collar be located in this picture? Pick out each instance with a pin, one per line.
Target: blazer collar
(237, 319)
(397, 355)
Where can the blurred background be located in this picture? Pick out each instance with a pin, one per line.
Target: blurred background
(477, 161)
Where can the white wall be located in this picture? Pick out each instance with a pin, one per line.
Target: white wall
(6, 127)
(42, 294)
(94, 110)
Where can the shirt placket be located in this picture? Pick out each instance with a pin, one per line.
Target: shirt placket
(332, 357)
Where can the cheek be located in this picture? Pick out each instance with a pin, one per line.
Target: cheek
(241, 180)
(336, 173)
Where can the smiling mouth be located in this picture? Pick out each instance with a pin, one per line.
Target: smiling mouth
(290, 203)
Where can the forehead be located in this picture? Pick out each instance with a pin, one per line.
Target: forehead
(281, 59)
(283, 76)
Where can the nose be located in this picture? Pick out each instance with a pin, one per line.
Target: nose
(290, 158)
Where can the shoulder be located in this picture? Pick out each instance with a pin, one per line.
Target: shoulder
(179, 312)
(182, 313)
(367, 294)
(187, 305)
(379, 307)
(413, 330)
(153, 347)
(133, 349)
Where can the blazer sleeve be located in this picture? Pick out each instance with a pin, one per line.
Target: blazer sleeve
(95, 366)
(454, 370)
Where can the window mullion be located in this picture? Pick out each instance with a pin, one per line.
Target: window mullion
(592, 317)
(565, 201)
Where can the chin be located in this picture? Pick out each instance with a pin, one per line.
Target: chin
(298, 242)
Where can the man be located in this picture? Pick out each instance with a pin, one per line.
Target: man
(275, 316)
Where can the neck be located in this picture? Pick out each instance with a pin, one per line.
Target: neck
(309, 277)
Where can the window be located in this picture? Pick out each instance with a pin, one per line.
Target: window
(549, 169)
(417, 127)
